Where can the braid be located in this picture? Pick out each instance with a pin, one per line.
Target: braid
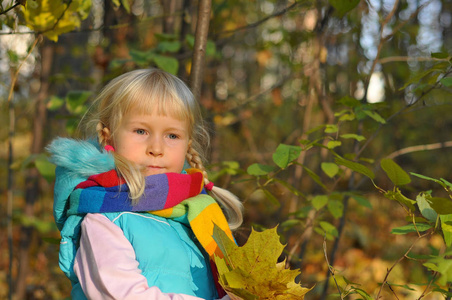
(229, 202)
(194, 159)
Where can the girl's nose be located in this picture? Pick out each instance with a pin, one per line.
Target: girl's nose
(155, 147)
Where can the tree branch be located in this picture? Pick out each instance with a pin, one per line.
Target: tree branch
(199, 50)
(8, 9)
(418, 148)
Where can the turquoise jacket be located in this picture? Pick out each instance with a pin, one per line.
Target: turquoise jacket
(167, 252)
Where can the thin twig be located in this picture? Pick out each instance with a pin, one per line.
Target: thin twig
(417, 148)
(7, 10)
(257, 23)
(397, 262)
(330, 268)
(428, 286)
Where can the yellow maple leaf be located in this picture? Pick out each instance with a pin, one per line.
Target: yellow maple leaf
(54, 17)
(252, 271)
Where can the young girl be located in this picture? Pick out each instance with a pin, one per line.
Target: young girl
(134, 223)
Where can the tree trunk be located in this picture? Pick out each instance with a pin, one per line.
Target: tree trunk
(199, 50)
(32, 176)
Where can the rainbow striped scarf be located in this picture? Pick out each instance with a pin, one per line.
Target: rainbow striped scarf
(169, 195)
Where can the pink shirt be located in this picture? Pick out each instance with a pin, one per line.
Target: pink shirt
(106, 267)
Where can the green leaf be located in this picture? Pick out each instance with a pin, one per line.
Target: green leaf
(331, 128)
(75, 101)
(259, 169)
(357, 137)
(169, 46)
(362, 201)
(45, 168)
(141, 58)
(375, 116)
(411, 228)
(363, 293)
(126, 5)
(425, 208)
(319, 201)
(395, 173)
(349, 101)
(330, 169)
(343, 6)
(354, 166)
(190, 39)
(290, 187)
(55, 103)
(440, 55)
(211, 48)
(399, 197)
(447, 82)
(166, 63)
(285, 154)
(443, 206)
(333, 144)
(336, 208)
(446, 227)
(315, 177)
(329, 228)
(271, 197)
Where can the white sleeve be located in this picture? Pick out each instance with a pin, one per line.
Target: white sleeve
(106, 267)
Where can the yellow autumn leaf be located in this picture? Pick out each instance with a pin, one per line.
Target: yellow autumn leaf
(54, 17)
(252, 271)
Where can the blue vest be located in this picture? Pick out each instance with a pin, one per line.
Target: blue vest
(168, 255)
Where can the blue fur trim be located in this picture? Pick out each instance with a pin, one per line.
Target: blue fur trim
(79, 157)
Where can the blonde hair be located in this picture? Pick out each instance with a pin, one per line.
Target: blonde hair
(147, 90)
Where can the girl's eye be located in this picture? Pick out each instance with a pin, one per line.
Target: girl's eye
(140, 131)
(173, 136)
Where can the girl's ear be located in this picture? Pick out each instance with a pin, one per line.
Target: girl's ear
(103, 134)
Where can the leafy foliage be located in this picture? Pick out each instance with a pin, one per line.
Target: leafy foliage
(252, 271)
(53, 18)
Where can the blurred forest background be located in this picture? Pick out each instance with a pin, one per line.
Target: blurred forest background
(330, 118)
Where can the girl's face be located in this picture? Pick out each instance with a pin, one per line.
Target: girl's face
(155, 142)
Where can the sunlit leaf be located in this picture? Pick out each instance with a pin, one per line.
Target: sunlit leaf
(357, 167)
(331, 128)
(54, 18)
(259, 169)
(395, 173)
(362, 201)
(252, 271)
(55, 103)
(329, 228)
(336, 208)
(399, 197)
(75, 101)
(375, 116)
(357, 137)
(319, 201)
(169, 46)
(333, 144)
(45, 168)
(166, 63)
(330, 169)
(425, 208)
(447, 82)
(446, 226)
(443, 206)
(285, 154)
(420, 227)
